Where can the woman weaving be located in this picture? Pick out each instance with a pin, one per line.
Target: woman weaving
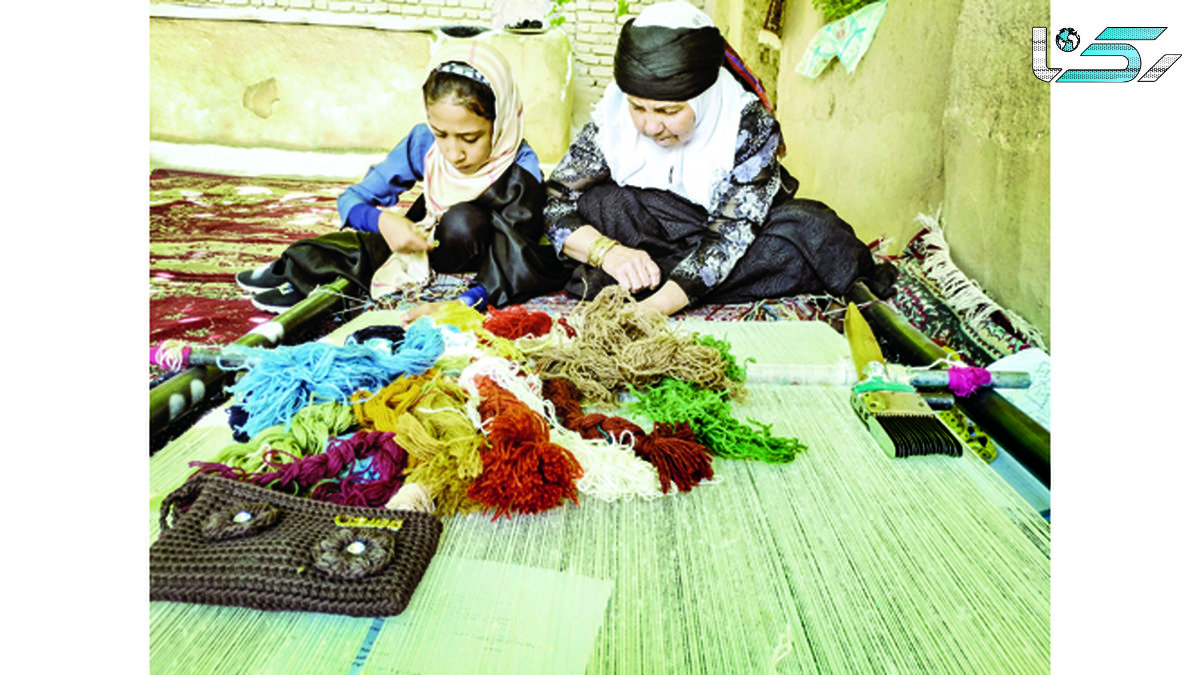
(674, 189)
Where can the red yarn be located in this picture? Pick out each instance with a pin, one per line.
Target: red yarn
(678, 456)
(565, 397)
(523, 471)
(570, 330)
(516, 321)
(671, 448)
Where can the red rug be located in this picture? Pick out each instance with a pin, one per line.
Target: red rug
(204, 229)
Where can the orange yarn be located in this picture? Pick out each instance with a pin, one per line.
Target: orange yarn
(516, 321)
(523, 471)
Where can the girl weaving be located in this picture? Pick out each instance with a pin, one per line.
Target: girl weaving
(481, 209)
(674, 189)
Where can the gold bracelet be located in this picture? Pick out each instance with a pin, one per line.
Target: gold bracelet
(600, 247)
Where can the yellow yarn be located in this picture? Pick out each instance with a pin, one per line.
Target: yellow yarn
(428, 415)
(464, 318)
(459, 315)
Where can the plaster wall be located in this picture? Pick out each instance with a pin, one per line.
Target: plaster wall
(590, 26)
(943, 112)
(327, 88)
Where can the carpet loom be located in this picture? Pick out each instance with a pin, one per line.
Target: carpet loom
(840, 561)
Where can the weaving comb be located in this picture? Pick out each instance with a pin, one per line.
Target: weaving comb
(897, 417)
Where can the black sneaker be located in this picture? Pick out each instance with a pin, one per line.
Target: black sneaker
(260, 279)
(278, 300)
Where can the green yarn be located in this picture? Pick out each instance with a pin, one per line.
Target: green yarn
(310, 430)
(709, 415)
(733, 371)
(877, 384)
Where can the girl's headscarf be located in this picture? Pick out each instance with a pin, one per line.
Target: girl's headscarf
(672, 52)
(445, 185)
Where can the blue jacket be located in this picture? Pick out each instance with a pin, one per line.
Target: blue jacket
(396, 174)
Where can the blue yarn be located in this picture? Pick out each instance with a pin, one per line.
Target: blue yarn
(286, 379)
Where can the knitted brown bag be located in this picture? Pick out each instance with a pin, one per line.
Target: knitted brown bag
(233, 543)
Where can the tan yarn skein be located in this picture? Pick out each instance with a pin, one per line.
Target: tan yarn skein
(619, 346)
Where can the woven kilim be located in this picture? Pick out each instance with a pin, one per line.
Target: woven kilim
(842, 560)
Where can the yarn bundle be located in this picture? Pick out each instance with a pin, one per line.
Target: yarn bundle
(285, 379)
(526, 414)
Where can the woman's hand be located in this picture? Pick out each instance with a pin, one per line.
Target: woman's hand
(668, 299)
(631, 267)
(401, 234)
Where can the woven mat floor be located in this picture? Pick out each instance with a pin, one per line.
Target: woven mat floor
(840, 561)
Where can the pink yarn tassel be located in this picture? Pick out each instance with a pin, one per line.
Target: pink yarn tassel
(964, 381)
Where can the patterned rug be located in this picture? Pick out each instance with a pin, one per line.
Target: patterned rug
(205, 228)
(950, 308)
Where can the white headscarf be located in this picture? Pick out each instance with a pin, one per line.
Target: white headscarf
(692, 169)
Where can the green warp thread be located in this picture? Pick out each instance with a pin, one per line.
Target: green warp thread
(709, 415)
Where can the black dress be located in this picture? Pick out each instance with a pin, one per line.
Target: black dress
(497, 236)
(759, 241)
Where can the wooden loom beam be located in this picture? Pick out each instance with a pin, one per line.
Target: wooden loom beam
(1026, 440)
(191, 387)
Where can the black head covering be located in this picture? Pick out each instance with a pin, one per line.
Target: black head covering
(667, 64)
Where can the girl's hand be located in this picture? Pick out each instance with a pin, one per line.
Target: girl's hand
(401, 234)
(631, 267)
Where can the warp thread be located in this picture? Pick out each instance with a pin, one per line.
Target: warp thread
(710, 416)
(365, 469)
(619, 346)
(285, 379)
(523, 471)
